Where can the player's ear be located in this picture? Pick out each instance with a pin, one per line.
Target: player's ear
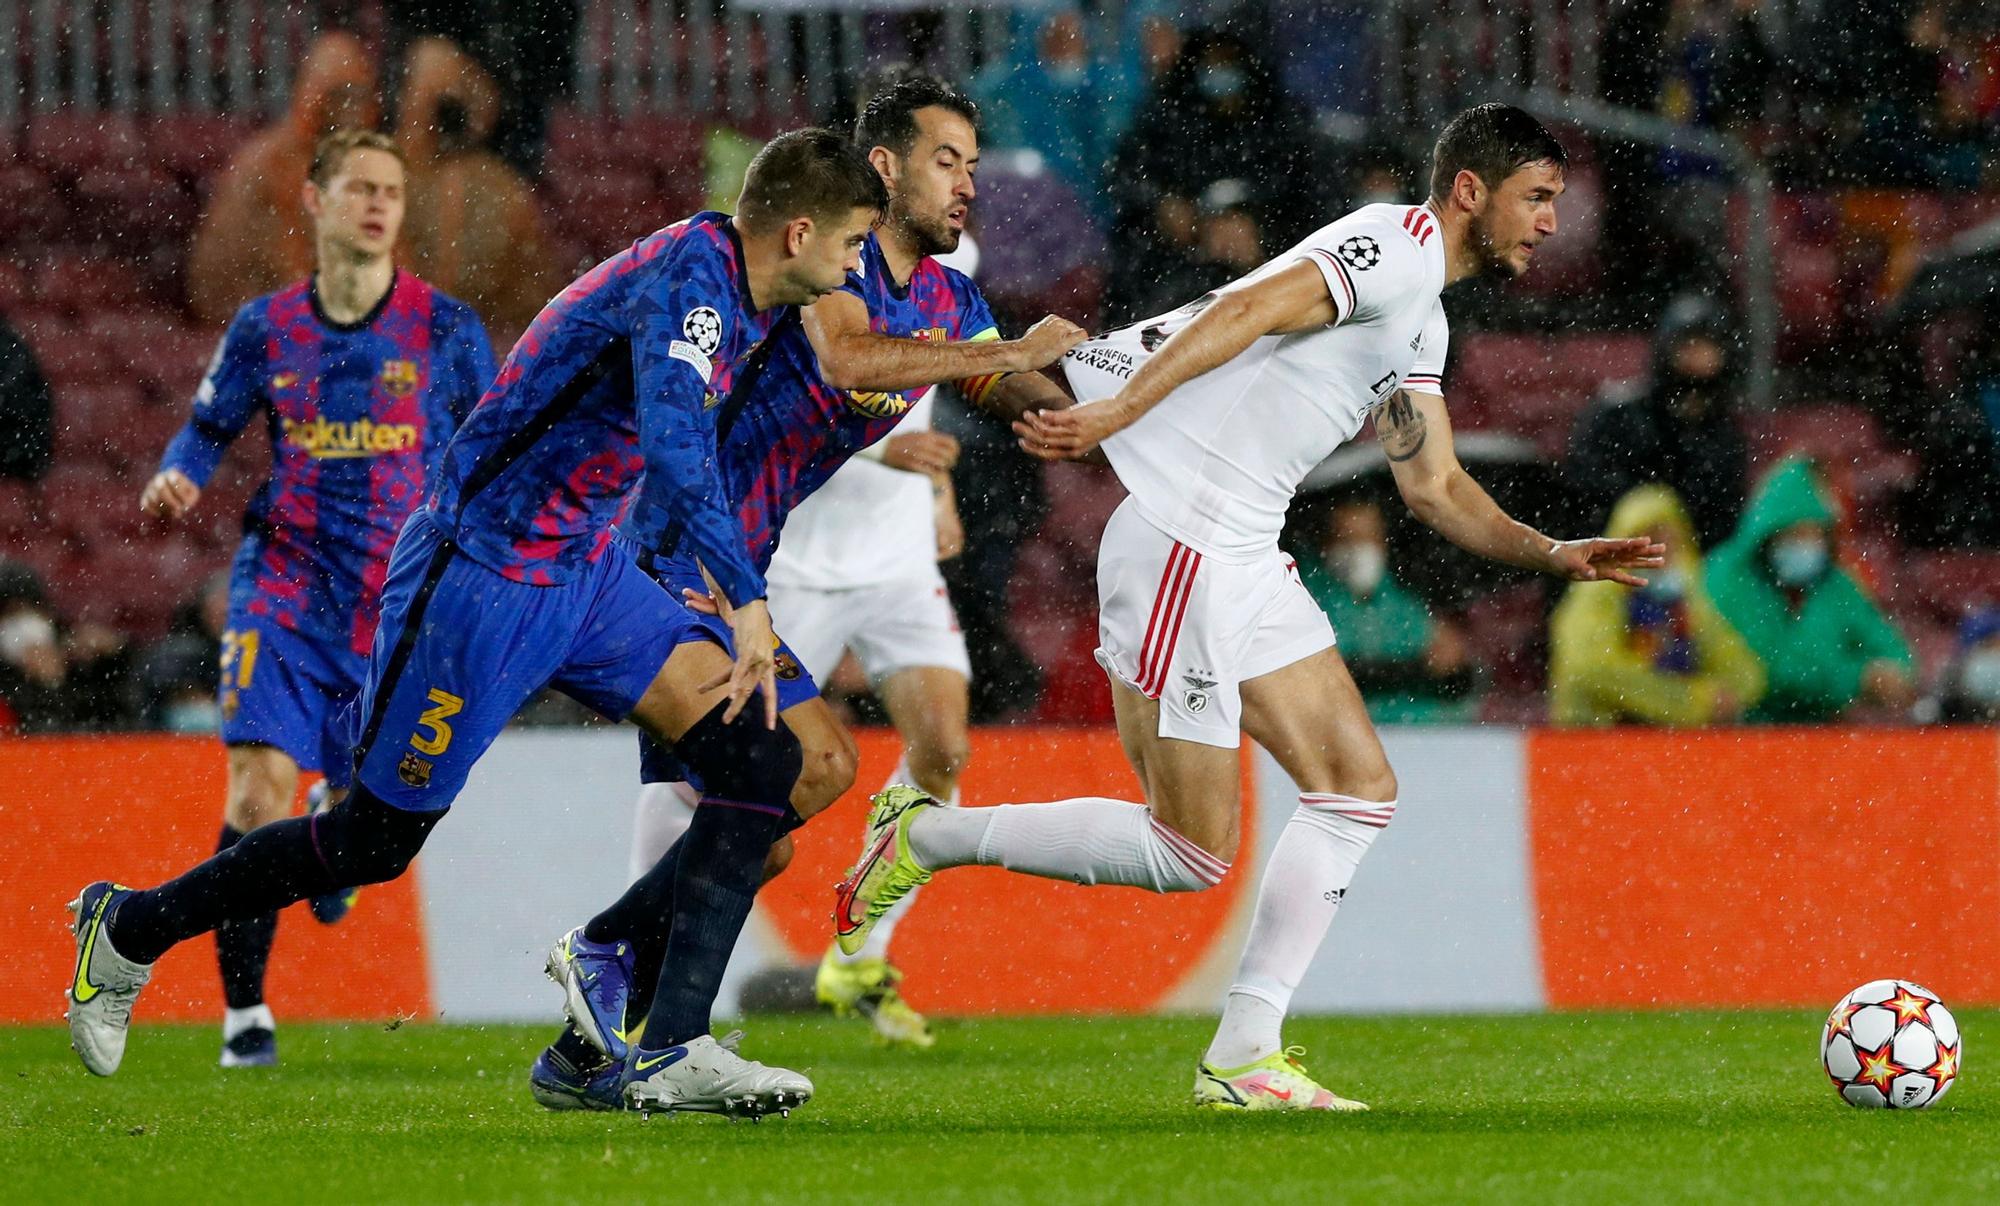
(309, 198)
(886, 164)
(1468, 190)
(798, 232)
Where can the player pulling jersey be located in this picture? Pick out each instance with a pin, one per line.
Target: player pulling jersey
(1195, 594)
(871, 529)
(788, 431)
(358, 415)
(618, 373)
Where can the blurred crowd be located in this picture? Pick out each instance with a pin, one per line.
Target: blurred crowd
(1200, 139)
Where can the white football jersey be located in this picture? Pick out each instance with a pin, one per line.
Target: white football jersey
(868, 524)
(1216, 463)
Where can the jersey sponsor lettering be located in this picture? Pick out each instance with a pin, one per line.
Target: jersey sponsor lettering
(360, 415)
(323, 438)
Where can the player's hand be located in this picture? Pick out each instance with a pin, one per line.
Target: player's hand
(701, 601)
(950, 528)
(1606, 560)
(1045, 342)
(1061, 435)
(170, 495)
(926, 452)
(756, 667)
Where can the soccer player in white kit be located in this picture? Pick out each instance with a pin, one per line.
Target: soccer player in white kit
(1211, 415)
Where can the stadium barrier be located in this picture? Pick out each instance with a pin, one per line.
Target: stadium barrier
(1524, 871)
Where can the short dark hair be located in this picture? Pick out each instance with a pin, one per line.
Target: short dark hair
(889, 117)
(811, 173)
(1492, 141)
(330, 153)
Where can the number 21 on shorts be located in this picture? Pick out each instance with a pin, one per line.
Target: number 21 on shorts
(433, 735)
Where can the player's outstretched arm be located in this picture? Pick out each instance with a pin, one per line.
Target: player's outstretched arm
(1415, 432)
(230, 393)
(1292, 299)
(852, 356)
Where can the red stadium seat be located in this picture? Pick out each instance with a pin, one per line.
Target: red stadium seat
(95, 421)
(20, 515)
(65, 352)
(609, 209)
(16, 287)
(135, 207)
(174, 366)
(195, 145)
(79, 283)
(68, 143)
(31, 207)
(1948, 585)
(1535, 386)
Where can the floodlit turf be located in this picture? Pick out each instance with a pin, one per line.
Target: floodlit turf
(1568, 1108)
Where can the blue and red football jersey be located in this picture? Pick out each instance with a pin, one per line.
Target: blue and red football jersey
(358, 415)
(615, 379)
(793, 430)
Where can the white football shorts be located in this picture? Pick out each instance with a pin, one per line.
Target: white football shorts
(890, 626)
(1189, 630)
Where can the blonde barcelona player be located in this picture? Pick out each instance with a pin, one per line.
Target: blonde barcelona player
(1211, 415)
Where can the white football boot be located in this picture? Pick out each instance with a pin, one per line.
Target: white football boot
(706, 1076)
(105, 984)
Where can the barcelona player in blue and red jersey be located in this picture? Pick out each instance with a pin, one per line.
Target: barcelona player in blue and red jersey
(507, 581)
(361, 374)
(833, 386)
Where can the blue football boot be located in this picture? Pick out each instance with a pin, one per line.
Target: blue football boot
(559, 1084)
(333, 906)
(256, 1047)
(596, 979)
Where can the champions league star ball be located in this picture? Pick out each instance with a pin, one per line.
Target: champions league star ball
(1890, 1044)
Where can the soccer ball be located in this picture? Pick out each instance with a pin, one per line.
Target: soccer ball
(1890, 1044)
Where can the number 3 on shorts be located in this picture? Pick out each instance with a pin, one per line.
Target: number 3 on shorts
(445, 704)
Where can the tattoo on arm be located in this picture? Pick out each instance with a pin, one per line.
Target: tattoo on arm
(1400, 427)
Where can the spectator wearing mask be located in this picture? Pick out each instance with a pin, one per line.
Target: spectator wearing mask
(472, 227)
(1826, 648)
(254, 237)
(1411, 668)
(1053, 96)
(1661, 654)
(32, 667)
(27, 411)
(1680, 431)
(1971, 684)
(1218, 114)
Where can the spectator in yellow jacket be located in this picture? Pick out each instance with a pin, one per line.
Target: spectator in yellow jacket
(1659, 655)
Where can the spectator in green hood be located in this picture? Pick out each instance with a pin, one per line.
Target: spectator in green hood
(1826, 647)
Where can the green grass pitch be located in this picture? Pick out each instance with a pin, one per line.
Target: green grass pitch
(1585, 1108)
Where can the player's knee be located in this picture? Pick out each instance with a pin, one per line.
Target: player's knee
(779, 858)
(366, 840)
(742, 761)
(1379, 784)
(939, 757)
(826, 775)
(261, 783)
(1178, 862)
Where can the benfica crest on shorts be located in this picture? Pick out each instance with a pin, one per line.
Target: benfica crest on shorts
(414, 771)
(398, 378)
(1196, 698)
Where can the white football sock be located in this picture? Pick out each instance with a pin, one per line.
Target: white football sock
(659, 818)
(1091, 840)
(236, 1021)
(1309, 872)
(877, 945)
